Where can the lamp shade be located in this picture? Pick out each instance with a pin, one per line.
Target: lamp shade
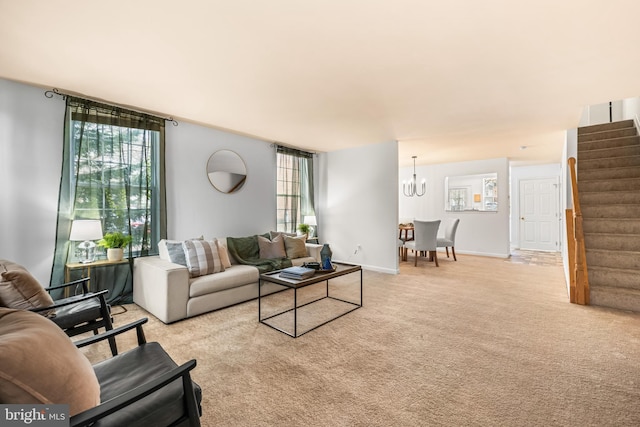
(310, 220)
(86, 229)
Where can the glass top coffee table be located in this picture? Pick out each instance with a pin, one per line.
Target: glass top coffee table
(321, 306)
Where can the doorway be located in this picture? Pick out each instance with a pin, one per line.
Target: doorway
(539, 216)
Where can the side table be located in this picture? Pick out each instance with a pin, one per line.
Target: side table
(71, 266)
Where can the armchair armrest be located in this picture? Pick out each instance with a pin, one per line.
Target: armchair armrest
(117, 331)
(66, 301)
(84, 281)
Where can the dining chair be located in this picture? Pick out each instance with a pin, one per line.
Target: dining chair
(449, 239)
(425, 240)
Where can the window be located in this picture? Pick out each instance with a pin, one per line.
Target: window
(294, 188)
(115, 176)
(457, 198)
(113, 171)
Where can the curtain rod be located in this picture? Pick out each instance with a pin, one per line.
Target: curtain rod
(54, 91)
(289, 147)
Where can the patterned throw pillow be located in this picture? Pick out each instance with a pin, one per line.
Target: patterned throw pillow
(295, 247)
(202, 257)
(270, 249)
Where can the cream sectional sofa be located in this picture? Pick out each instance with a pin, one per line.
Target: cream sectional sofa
(165, 289)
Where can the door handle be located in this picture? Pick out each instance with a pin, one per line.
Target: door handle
(522, 218)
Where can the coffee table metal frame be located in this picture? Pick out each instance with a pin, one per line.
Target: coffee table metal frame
(274, 277)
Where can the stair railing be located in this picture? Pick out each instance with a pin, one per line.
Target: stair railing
(579, 280)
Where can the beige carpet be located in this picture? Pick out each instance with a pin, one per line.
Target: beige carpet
(479, 342)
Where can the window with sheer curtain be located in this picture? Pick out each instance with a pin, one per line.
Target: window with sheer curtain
(294, 188)
(112, 171)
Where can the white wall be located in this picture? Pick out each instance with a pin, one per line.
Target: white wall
(625, 109)
(480, 233)
(358, 205)
(195, 208)
(31, 129)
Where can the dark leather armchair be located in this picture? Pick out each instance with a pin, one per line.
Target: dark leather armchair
(142, 387)
(81, 313)
(76, 314)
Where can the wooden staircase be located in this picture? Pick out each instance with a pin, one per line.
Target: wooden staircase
(609, 192)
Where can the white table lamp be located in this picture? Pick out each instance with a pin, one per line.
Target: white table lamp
(86, 231)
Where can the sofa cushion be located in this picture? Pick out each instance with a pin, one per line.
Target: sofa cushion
(236, 276)
(272, 248)
(295, 247)
(202, 257)
(28, 374)
(19, 289)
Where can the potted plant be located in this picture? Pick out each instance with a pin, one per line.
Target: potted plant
(304, 228)
(114, 242)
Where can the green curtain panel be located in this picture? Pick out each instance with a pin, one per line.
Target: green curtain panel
(112, 171)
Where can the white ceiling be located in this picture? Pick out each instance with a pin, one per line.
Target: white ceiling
(450, 80)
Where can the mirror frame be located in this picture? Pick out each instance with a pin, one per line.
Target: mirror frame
(227, 171)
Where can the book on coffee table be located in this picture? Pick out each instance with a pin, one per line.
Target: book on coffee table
(297, 273)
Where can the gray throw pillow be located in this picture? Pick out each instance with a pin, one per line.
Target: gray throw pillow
(176, 253)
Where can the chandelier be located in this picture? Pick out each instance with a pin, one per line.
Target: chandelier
(410, 188)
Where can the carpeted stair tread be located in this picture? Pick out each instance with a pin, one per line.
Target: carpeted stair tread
(618, 197)
(600, 153)
(608, 173)
(609, 162)
(615, 211)
(615, 297)
(615, 184)
(618, 277)
(614, 259)
(605, 126)
(608, 143)
(607, 134)
(605, 225)
(610, 241)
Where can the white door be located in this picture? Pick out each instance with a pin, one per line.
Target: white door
(539, 216)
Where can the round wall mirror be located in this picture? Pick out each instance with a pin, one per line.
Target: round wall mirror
(226, 171)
